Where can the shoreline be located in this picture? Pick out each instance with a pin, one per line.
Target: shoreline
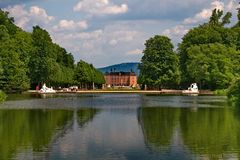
(163, 91)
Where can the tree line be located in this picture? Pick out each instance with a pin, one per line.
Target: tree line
(209, 55)
(31, 59)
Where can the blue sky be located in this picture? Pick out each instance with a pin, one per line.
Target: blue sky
(105, 32)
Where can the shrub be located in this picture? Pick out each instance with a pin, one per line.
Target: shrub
(2, 96)
(233, 92)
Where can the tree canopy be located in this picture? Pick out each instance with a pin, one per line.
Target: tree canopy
(30, 59)
(209, 53)
(159, 66)
(86, 74)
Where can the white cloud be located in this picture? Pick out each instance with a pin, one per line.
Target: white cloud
(27, 18)
(205, 13)
(134, 52)
(121, 36)
(100, 7)
(111, 44)
(178, 30)
(232, 5)
(70, 25)
(40, 14)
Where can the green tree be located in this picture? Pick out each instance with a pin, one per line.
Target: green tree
(216, 15)
(49, 62)
(212, 66)
(85, 75)
(226, 18)
(160, 65)
(8, 22)
(233, 92)
(208, 33)
(14, 71)
(42, 50)
(81, 73)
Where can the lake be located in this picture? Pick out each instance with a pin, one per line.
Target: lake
(118, 127)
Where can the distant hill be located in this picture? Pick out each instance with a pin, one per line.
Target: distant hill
(123, 67)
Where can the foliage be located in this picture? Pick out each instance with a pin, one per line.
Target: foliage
(49, 62)
(233, 92)
(212, 48)
(86, 74)
(2, 96)
(159, 66)
(213, 66)
(221, 92)
(13, 59)
(30, 59)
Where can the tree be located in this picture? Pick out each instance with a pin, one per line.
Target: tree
(208, 33)
(13, 56)
(213, 66)
(226, 18)
(159, 66)
(49, 62)
(85, 75)
(14, 76)
(8, 22)
(42, 50)
(233, 92)
(216, 15)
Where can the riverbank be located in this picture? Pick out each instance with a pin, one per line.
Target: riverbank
(163, 91)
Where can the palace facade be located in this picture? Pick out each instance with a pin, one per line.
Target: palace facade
(121, 79)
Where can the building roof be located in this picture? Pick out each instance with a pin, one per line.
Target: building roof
(120, 74)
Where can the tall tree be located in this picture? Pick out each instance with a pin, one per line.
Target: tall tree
(85, 75)
(226, 18)
(160, 65)
(216, 15)
(213, 66)
(38, 62)
(14, 71)
(208, 33)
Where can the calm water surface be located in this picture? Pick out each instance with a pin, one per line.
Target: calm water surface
(118, 127)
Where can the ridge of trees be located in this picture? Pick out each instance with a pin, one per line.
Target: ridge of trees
(209, 55)
(29, 59)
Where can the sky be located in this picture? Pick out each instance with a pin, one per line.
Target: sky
(106, 32)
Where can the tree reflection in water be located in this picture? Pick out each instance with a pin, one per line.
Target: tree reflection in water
(33, 131)
(86, 115)
(158, 125)
(211, 133)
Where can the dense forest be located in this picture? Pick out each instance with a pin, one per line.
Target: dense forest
(31, 59)
(208, 55)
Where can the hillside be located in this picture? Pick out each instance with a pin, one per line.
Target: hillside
(123, 67)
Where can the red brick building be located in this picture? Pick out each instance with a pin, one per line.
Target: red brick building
(121, 79)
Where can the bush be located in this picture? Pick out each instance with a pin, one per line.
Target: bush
(2, 96)
(221, 92)
(233, 92)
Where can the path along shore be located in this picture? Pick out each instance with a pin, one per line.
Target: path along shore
(163, 91)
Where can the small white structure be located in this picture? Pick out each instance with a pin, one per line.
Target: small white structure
(45, 89)
(193, 89)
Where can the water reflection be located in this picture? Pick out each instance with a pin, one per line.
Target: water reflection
(119, 126)
(25, 134)
(158, 125)
(20, 129)
(86, 115)
(209, 133)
